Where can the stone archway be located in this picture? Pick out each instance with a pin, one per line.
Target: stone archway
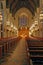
(27, 13)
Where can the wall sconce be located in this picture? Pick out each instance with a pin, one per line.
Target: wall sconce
(1, 17)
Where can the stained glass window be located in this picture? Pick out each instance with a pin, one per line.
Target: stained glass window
(22, 21)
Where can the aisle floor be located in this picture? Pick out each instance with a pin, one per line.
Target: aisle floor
(19, 55)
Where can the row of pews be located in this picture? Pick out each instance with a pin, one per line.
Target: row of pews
(35, 48)
(6, 45)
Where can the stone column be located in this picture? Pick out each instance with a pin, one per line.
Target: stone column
(41, 18)
(1, 19)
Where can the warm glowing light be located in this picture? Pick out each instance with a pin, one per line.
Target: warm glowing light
(15, 28)
(32, 30)
(41, 17)
(11, 25)
(36, 22)
(24, 32)
(32, 27)
(41, 14)
(8, 23)
(0, 16)
(30, 33)
(23, 36)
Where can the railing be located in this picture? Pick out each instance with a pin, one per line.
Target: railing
(7, 44)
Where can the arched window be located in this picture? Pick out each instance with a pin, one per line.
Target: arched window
(22, 21)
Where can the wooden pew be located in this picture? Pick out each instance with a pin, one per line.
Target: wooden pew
(35, 49)
(0, 51)
(7, 44)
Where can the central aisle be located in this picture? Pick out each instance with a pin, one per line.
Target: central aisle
(19, 55)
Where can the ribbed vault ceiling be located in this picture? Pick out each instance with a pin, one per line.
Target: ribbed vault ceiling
(15, 5)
